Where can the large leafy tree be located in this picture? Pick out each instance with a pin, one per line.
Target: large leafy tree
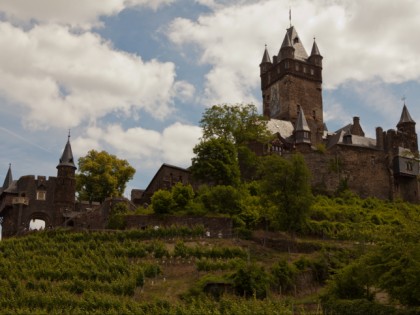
(286, 188)
(239, 124)
(102, 175)
(216, 162)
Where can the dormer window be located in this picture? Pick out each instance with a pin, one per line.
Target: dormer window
(296, 40)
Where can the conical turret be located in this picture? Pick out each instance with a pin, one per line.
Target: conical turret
(406, 123)
(302, 130)
(315, 57)
(265, 62)
(67, 156)
(286, 49)
(9, 178)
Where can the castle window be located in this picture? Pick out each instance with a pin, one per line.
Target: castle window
(312, 71)
(314, 114)
(409, 166)
(297, 67)
(286, 65)
(304, 69)
(41, 195)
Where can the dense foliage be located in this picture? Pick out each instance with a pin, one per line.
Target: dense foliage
(102, 175)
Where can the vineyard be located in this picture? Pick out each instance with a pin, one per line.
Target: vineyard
(176, 270)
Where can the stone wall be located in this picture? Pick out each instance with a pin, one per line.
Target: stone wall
(364, 171)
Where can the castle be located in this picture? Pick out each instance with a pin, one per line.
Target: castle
(386, 167)
(51, 200)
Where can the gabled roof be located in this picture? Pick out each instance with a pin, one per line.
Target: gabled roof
(266, 57)
(67, 156)
(405, 117)
(358, 141)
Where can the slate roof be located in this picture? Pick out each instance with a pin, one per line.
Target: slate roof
(359, 141)
(283, 127)
(8, 179)
(266, 57)
(67, 156)
(405, 117)
(315, 50)
(302, 124)
(300, 52)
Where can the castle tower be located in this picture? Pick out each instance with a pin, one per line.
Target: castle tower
(293, 81)
(65, 189)
(407, 126)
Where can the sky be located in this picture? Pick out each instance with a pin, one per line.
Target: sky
(133, 77)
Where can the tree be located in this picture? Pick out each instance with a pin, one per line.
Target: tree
(222, 199)
(182, 195)
(216, 162)
(102, 175)
(162, 202)
(239, 124)
(286, 187)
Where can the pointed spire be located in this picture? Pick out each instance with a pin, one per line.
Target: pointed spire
(302, 124)
(67, 156)
(405, 116)
(302, 130)
(9, 178)
(286, 41)
(315, 50)
(266, 56)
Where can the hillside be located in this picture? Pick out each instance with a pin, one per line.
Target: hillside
(180, 271)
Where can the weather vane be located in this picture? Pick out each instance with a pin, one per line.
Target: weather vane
(403, 99)
(290, 16)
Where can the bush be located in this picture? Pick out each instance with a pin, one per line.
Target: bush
(251, 281)
(162, 202)
(284, 276)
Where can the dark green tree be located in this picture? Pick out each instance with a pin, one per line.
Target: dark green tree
(102, 175)
(241, 125)
(216, 162)
(286, 189)
(222, 199)
(162, 202)
(250, 281)
(182, 195)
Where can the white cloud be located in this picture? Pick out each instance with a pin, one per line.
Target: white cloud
(360, 40)
(62, 79)
(77, 13)
(144, 147)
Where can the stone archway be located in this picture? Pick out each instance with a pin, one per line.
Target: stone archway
(38, 221)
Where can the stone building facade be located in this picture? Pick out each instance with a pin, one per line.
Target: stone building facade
(385, 167)
(51, 200)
